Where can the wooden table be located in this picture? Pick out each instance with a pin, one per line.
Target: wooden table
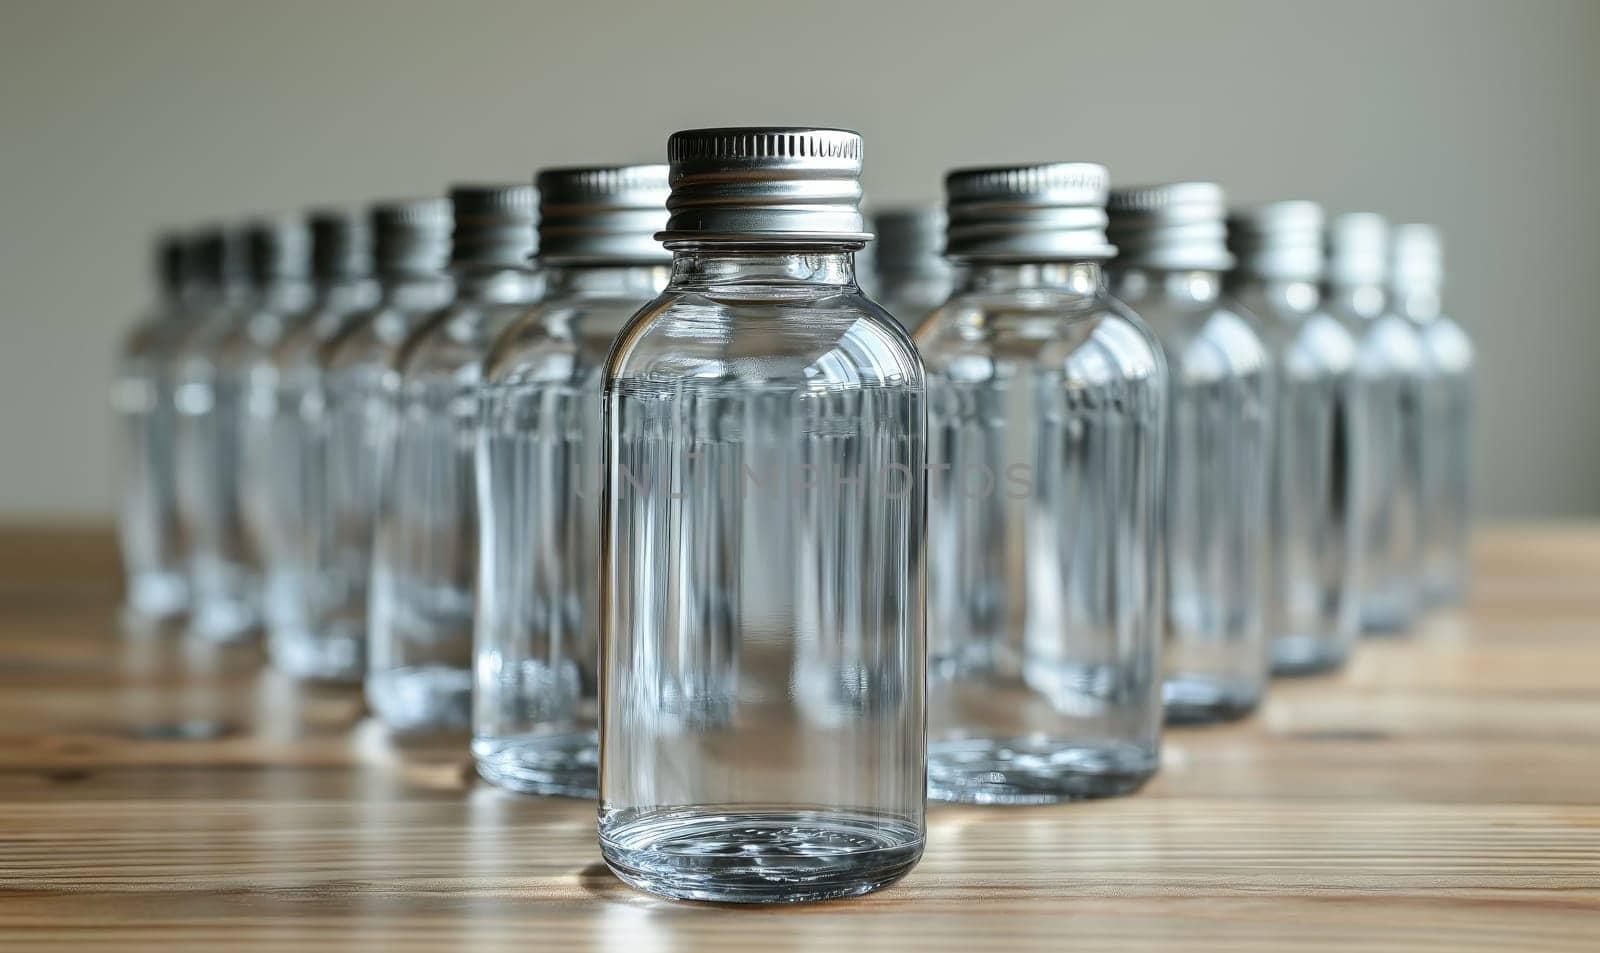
(1442, 794)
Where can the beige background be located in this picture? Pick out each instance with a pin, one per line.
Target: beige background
(120, 117)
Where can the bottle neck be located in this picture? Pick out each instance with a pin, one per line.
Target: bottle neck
(1083, 277)
(642, 280)
(285, 295)
(1362, 300)
(1279, 295)
(1181, 287)
(702, 266)
(1418, 304)
(494, 284)
(417, 291)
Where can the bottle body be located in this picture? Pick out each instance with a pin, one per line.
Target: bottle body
(1447, 435)
(308, 636)
(224, 582)
(1047, 415)
(1390, 371)
(424, 555)
(762, 718)
(1312, 523)
(539, 460)
(149, 529)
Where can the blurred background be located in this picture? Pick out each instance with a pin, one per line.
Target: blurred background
(119, 118)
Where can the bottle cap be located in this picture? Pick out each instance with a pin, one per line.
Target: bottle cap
(1050, 212)
(1279, 241)
(494, 225)
(280, 248)
(1416, 258)
(341, 244)
(1179, 226)
(1358, 249)
(222, 255)
(603, 213)
(171, 261)
(765, 184)
(910, 240)
(411, 236)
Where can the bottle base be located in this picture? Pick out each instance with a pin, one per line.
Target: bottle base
(421, 698)
(1295, 656)
(758, 856)
(565, 765)
(1197, 700)
(223, 621)
(325, 658)
(1035, 771)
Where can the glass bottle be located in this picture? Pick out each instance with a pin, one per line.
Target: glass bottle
(224, 585)
(911, 276)
(141, 400)
(280, 268)
(1390, 371)
(1447, 398)
(1171, 255)
(1312, 526)
(762, 712)
(540, 451)
(425, 555)
(1047, 422)
(306, 638)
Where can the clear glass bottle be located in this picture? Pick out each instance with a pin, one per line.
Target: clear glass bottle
(425, 555)
(157, 585)
(1171, 256)
(1312, 525)
(1047, 418)
(1390, 371)
(762, 733)
(306, 638)
(1447, 398)
(539, 455)
(280, 268)
(224, 584)
(910, 275)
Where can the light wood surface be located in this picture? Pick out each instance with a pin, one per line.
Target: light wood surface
(1443, 794)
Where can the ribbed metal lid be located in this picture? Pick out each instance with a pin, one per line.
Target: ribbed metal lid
(1279, 241)
(222, 255)
(1358, 249)
(494, 225)
(341, 243)
(1178, 225)
(603, 213)
(411, 236)
(1050, 212)
(280, 248)
(910, 240)
(1416, 258)
(765, 184)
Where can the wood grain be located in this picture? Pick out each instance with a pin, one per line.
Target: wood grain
(1443, 794)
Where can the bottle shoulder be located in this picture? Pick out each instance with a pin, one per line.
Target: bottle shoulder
(807, 337)
(559, 337)
(1448, 346)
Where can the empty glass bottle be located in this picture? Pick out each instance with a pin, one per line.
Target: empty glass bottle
(224, 584)
(307, 637)
(1446, 410)
(1390, 371)
(1171, 255)
(425, 556)
(280, 268)
(1312, 523)
(141, 398)
(762, 715)
(1047, 420)
(910, 274)
(540, 449)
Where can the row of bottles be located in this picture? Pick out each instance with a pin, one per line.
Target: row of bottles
(640, 486)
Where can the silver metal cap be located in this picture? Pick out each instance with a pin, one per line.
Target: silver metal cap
(280, 248)
(1280, 241)
(603, 213)
(494, 225)
(222, 255)
(1181, 226)
(411, 236)
(1358, 249)
(1050, 212)
(765, 184)
(910, 240)
(1416, 258)
(341, 244)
